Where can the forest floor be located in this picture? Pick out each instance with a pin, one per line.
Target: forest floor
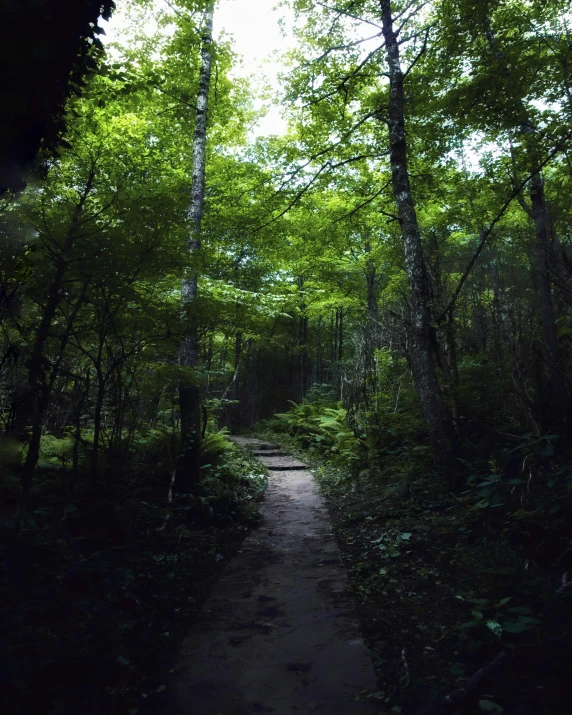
(278, 633)
(437, 599)
(96, 598)
(99, 596)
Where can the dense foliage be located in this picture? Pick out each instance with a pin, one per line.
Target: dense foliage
(398, 265)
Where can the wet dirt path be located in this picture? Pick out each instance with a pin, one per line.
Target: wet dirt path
(277, 634)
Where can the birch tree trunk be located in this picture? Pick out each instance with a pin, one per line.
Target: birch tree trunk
(427, 385)
(188, 467)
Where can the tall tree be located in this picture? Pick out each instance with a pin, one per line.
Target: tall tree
(538, 211)
(422, 339)
(188, 470)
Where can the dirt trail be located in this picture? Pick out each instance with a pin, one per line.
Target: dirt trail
(278, 634)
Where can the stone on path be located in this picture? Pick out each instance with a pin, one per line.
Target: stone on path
(278, 634)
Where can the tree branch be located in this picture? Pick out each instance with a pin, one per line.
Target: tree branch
(341, 47)
(363, 204)
(348, 14)
(487, 232)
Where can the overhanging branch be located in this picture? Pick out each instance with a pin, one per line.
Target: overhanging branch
(487, 232)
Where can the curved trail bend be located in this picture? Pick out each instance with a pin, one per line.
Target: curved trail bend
(277, 634)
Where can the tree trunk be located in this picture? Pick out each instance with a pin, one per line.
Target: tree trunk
(433, 405)
(341, 336)
(39, 388)
(303, 347)
(371, 330)
(372, 304)
(37, 381)
(338, 375)
(335, 332)
(303, 354)
(97, 424)
(318, 362)
(371, 341)
(77, 439)
(233, 389)
(188, 467)
(556, 387)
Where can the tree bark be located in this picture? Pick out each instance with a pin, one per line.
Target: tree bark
(303, 344)
(319, 359)
(371, 329)
(341, 336)
(97, 424)
(188, 467)
(371, 286)
(303, 354)
(233, 389)
(372, 324)
(433, 405)
(335, 320)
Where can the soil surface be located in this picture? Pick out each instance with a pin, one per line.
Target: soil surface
(278, 634)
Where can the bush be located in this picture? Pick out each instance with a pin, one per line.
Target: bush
(214, 447)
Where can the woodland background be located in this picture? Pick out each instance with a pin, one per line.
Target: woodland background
(386, 286)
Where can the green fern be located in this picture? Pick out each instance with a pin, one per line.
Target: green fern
(55, 452)
(215, 446)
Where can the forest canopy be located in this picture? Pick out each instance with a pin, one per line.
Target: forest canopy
(409, 226)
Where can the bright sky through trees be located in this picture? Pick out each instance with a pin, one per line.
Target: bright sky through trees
(257, 38)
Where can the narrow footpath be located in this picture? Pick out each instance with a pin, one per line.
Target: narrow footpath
(278, 634)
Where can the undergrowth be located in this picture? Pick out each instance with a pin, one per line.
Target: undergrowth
(445, 579)
(98, 591)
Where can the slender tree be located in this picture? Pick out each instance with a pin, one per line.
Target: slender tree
(422, 355)
(40, 380)
(538, 212)
(188, 469)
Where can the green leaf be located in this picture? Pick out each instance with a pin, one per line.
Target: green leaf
(487, 492)
(524, 623)
(489, 706)
(503, 602)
